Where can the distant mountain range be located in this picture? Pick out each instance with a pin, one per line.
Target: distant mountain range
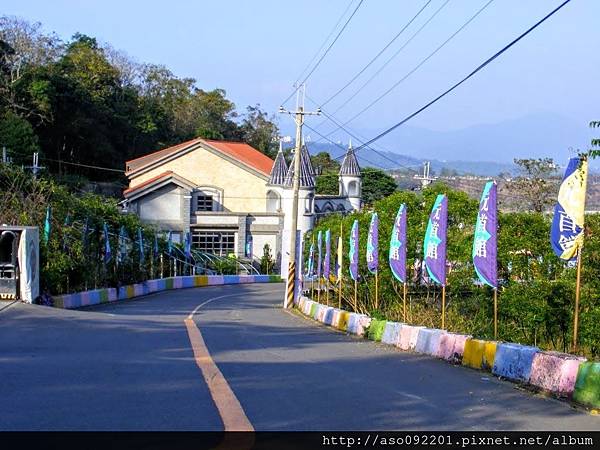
(486, 149)
(388, 160)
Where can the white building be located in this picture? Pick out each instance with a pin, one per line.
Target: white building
(232, 198)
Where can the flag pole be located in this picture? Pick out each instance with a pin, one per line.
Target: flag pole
(341, 271)
(495, 313)
(312, 276)
(318, 289)
(577, 290)
(443, 306)
(327, 291)
(376, 289)
(355, 295)
(404, 302)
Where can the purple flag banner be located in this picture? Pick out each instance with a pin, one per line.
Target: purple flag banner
(373, 244)
(398, 245)
(434, 246)
(327, 261)
(486, 235)
(319, 253)
(353, 253)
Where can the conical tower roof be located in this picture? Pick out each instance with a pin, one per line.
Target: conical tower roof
(350, 164)
(307, 173)
(279, 170)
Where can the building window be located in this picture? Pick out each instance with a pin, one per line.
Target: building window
(217, 242)
(204, 202)
(273, 202)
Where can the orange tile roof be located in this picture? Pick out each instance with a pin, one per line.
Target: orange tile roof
(239, 151)
(147, 182)
(134, 164)
(244, 153)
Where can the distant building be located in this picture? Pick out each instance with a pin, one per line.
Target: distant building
(231, 197)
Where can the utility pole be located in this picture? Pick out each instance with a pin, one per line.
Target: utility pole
(299, 114)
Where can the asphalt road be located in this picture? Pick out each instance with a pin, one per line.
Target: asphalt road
(130, 366)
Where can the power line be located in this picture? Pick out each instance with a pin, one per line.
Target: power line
(324, 43)
(481, 66)
(382, 155)
(339, 91)
(415, 34)
(378, 99)
(83, 165)
(362, 157)
(324, 54)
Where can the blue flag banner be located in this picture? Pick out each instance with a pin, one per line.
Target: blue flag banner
(188, 245)
(373, 244)
(170, 243)
(398, 245)
(155, 245)
(122, 245)
(566, 234)
(141, 245)
(107, 250)
(48, 224)
(486, 235)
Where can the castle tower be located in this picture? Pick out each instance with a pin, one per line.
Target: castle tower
(349, 179)
(275, 185)
(306, 204)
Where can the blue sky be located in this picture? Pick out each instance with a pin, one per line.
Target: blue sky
(256, 49)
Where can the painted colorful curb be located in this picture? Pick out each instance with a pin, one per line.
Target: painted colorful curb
(587, 387)
(558, 373)
(555, 372)
(513, 361)
(391, 334)
(98, 296)
(376, 329)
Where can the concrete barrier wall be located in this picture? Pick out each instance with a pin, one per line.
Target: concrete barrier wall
(489, 355)
(98, 296)
(343, 320)
(408, 337)
(335, 319)
(473, 354)
(587, 386)
(513, 361)
(364, 322)
(376, 329)
(391, 333)
(428, 341)
(353, 323)
(555, 372)
(329, 316)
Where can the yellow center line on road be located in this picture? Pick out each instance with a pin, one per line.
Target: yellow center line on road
(231, 411)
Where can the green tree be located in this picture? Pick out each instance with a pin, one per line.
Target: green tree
(535, 187)
(17, 135)
(215, 115)
(323, 163)
(266, 261)
(376, 184)
(595, 150)
(260, 131)
(327, 173)
(327, 184)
